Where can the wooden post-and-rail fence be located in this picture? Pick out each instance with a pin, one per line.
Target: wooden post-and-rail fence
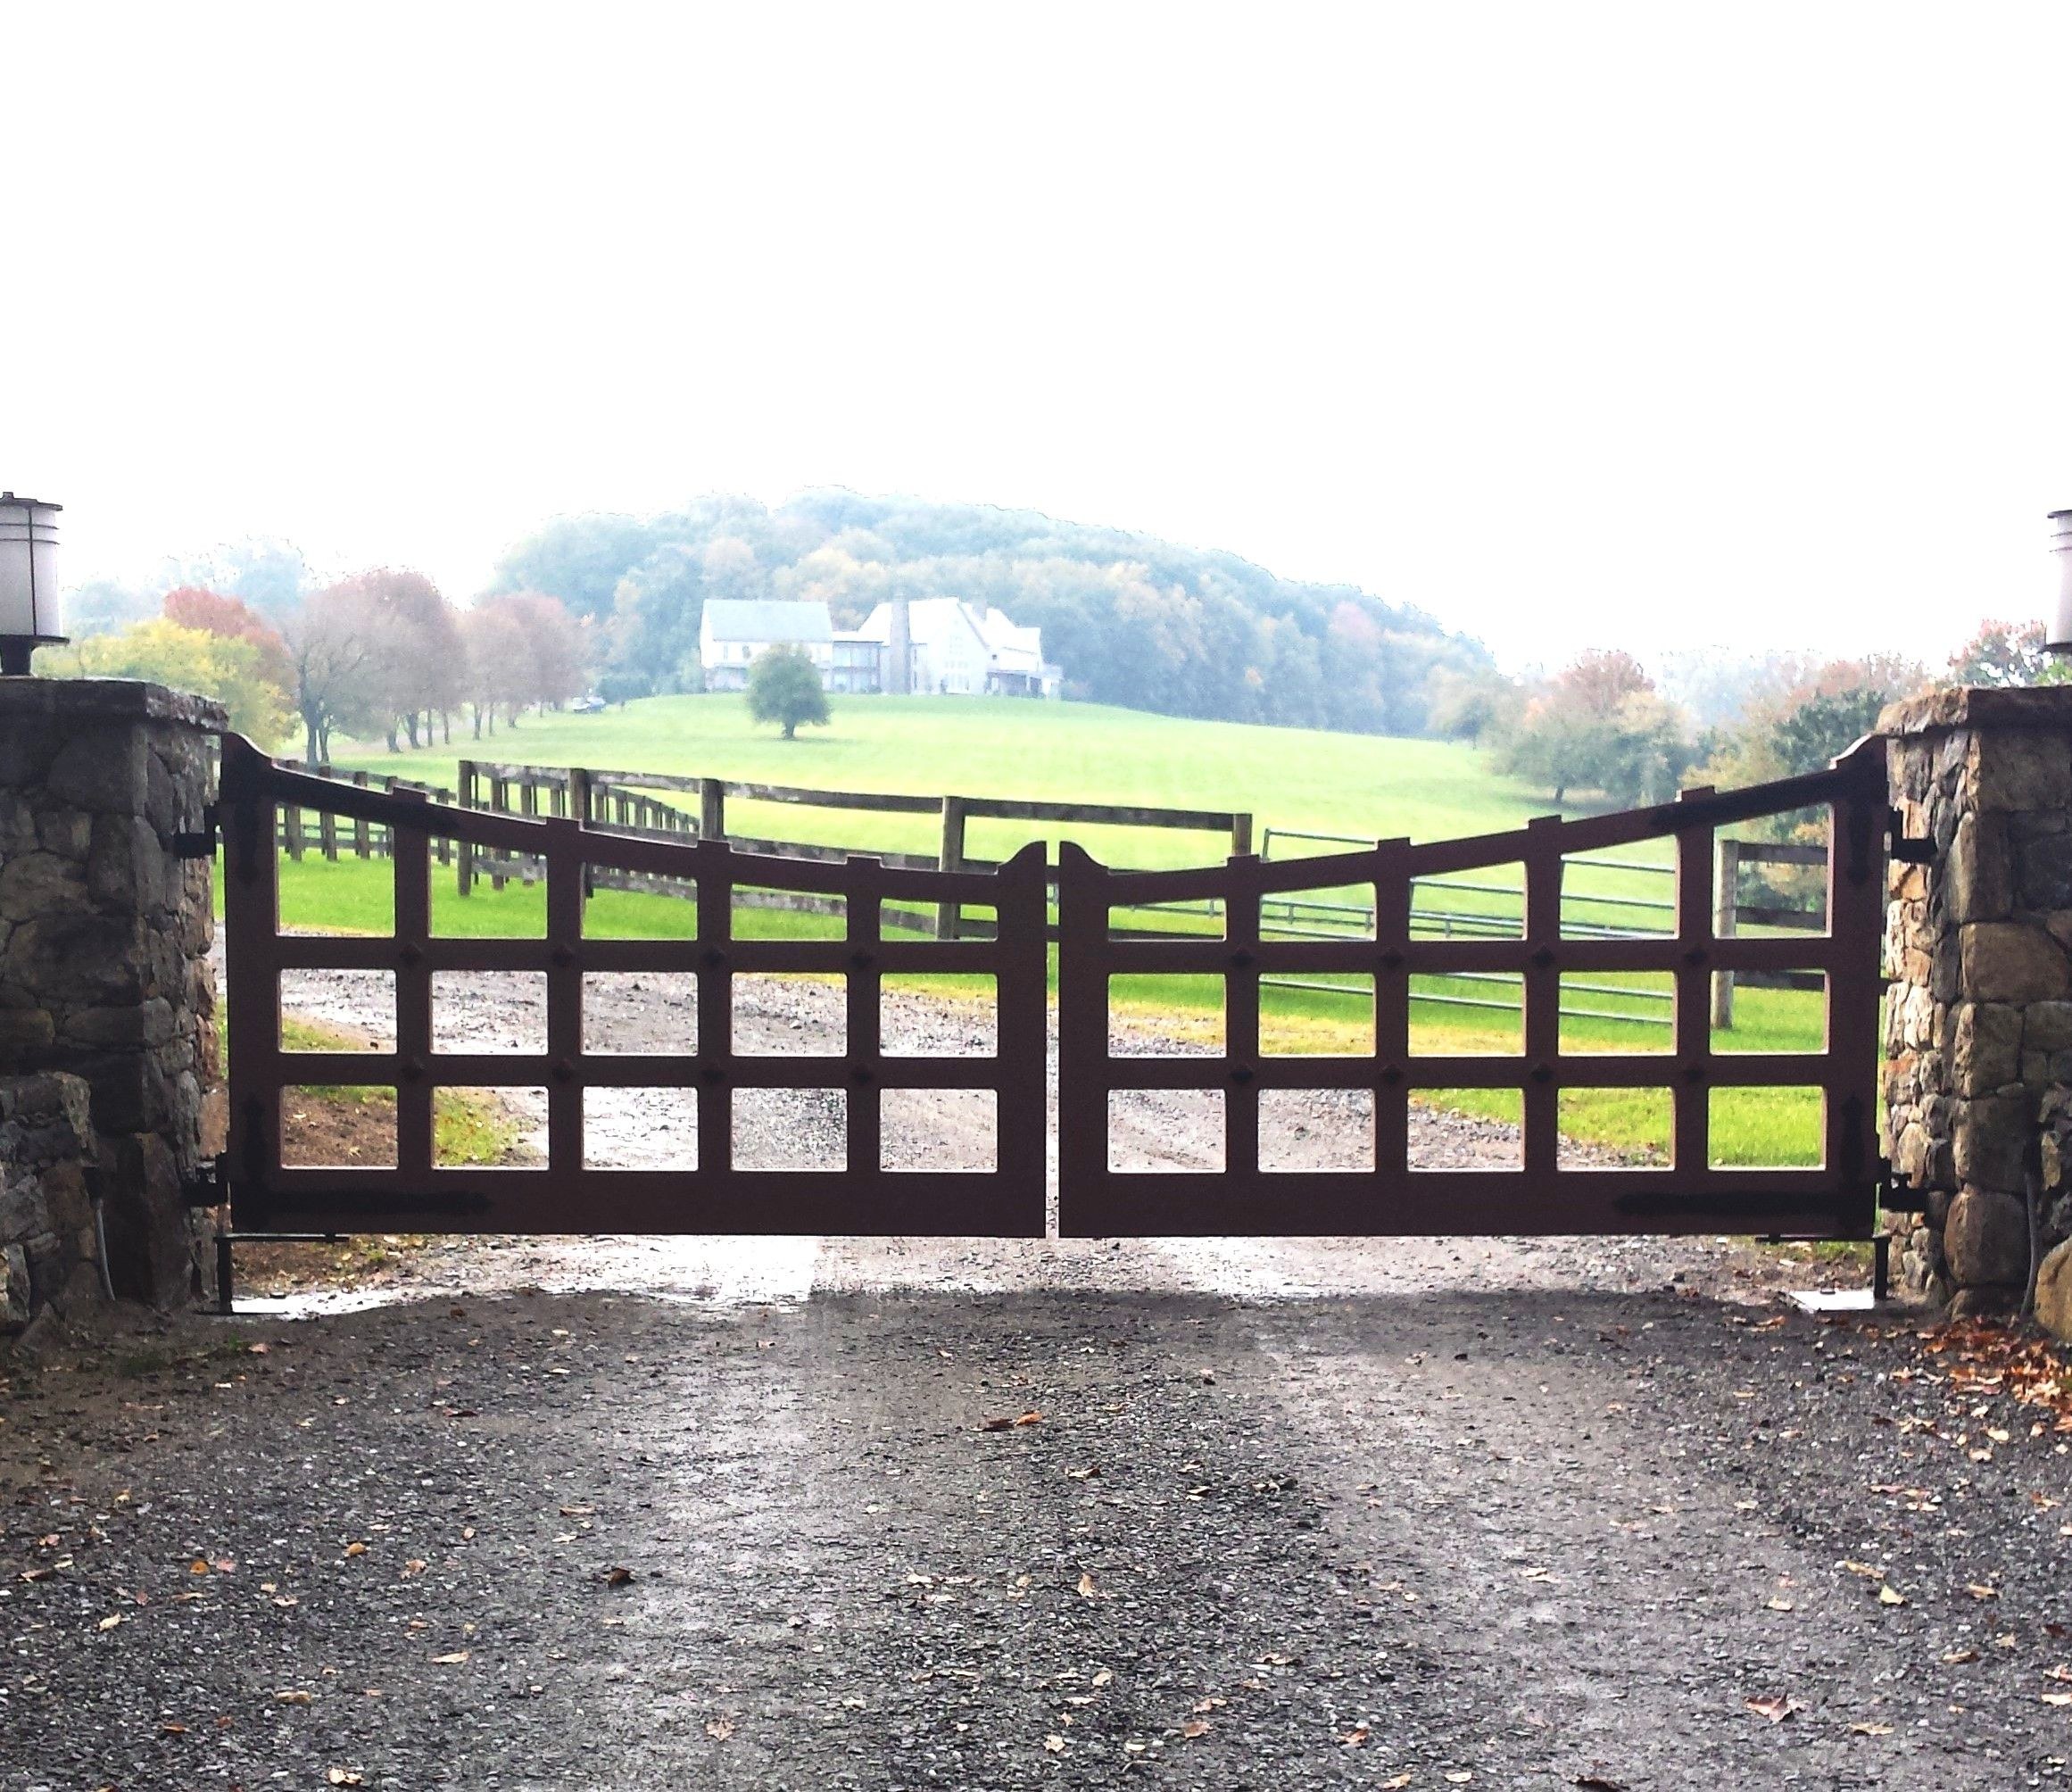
(634, 803)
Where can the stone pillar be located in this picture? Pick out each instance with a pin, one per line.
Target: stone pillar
(1979, 1020)
(104, 975)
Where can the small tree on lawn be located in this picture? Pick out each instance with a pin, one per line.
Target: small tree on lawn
(784, 687)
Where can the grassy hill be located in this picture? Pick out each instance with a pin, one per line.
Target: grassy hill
(1288, 778)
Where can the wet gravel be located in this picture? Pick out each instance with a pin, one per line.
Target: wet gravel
(1543, 1537)
(1274, 1514)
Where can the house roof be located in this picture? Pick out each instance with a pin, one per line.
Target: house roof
(737, 618)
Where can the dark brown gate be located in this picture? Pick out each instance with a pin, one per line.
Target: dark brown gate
(1390, 1195)
(565, 1194)
(1386, 1192)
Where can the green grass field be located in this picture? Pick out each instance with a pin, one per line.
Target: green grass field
(1287, 778)
(959, 746)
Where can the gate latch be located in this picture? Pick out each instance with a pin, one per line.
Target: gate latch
(1905, 850)
(210, 1184)
(201, 845)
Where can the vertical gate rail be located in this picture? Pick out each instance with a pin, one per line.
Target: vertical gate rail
(1836, 1200)
(566, 1194)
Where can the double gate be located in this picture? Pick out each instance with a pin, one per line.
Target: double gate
(1381, 1188)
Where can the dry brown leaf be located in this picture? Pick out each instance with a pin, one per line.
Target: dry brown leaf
(618, 1577)
(109, 1623)
(173, 1729)
(1054, 1744)
(1397, 1782)
(1979, 1590)
(451, 1661)
(356, 1549)
(1957, 1657)
(344, 1776)
(293, 1697)
(1194, 1727)
(1866, 1570)
(1870, 1730)
(719, 1728)
(1087, 1589)
(1889, 1595)
(1776, 1709)
(197, 1566)
(1355, 1738)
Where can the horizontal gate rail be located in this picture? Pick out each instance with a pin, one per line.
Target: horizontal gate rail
(1690, 1193)
(565, 1194)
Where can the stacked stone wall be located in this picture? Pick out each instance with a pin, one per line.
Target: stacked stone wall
(1978, 1019)
(106, 930)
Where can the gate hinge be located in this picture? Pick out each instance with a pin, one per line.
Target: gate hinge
(201, 843)
(210, 1184)
(1903, 850)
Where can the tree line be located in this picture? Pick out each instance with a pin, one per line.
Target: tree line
(382, 653)
(1130, 620)
(1605, 728)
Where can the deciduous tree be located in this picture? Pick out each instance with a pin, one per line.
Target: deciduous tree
(784, 687)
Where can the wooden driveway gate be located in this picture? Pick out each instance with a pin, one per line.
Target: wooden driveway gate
(1386, 1192)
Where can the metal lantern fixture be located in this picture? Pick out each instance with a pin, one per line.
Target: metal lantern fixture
(29, 592)
(2058, 637)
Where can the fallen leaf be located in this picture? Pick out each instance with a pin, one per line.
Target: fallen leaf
(1087, 1589)
(1776, 1709)
(1199, 1726)
(1054, 1744)
(1103, 1676)
(719, 1728)
(2058, 1699)
(292, 1697)
(1865, 1569)
(173, 1729)
(1395, 1783)
(1870, 1730)
(197, 1566)
(345, 1775)
(1957, 1657)
(1889, 1595)
(1779, 1605)
(1980, 1591)
(356, 1549)
(108, 1623)
(452, 1661)
(1355, 1738)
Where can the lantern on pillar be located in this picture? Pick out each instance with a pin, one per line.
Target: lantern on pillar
(29, 592)
(2057, 637)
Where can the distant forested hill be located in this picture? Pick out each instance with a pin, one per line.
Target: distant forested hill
(1131, 620)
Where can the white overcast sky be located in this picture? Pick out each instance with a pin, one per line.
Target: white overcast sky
(1653, 325)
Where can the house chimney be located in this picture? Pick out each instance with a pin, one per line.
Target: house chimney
(900, 674)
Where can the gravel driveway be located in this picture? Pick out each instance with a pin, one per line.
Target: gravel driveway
(903, 1514)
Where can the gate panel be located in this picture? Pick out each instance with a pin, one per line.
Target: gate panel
(856, 1196)
(1837, 1199)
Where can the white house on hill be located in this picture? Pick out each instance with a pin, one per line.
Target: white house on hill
(732, 631)
(967, 649)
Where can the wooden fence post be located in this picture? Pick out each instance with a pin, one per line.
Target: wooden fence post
(1241, 835)
(499, 804)
(464, 852)
(327, 822)
(579, 799)
(712, 808)
(949, 916)
(360, 821)
(291, 822)
(1726, 903)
